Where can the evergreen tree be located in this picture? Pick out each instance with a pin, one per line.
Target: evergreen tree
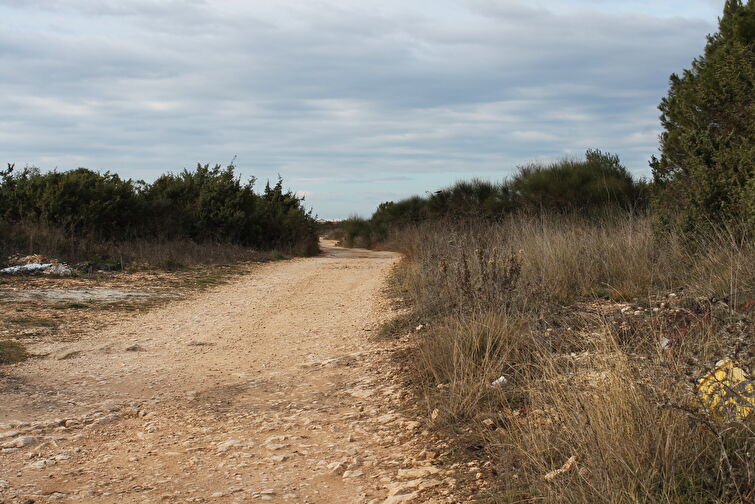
(706, 172)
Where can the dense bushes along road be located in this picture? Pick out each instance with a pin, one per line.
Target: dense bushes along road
(74, 212)
(592, 186)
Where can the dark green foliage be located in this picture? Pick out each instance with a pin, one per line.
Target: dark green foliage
(357, 232)
(207, 205)
(568, 185)
(473, 198)
(706, 172)
(592, 186)
(399, 213)
(283, 222)
(80, 201)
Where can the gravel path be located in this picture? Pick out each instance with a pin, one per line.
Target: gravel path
(268, 388)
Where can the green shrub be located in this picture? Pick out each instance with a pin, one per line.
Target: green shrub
(357, 232)
(474, 198)
(595, 186)
(79, 201)
(706, 172)
(568, 186)
(209, 205)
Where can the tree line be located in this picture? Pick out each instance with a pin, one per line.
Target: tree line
(210, 204)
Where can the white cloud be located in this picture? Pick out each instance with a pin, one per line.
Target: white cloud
(349, 95)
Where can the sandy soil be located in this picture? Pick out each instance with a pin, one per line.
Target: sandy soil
(267, 388)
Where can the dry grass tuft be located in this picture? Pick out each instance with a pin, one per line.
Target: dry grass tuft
(571, 351)
(50, 241)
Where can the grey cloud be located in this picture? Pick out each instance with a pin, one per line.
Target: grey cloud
(350, 95)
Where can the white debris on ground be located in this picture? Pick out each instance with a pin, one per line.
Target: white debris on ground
(47, 269)
(26, 268)
(499, 381)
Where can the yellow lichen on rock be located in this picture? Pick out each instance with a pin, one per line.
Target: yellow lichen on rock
(727, 391)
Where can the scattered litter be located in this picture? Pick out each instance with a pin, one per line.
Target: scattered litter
(419, 327)
(26, 268)
(49, 266)
(59, 269)
(18, 260)
(665, 343)
(502, 380)
(727, 391)
(46, 268)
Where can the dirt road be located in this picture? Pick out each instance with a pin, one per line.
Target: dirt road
(267, 388)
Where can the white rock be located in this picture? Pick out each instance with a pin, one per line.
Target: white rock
(396, 499)
(40, 464)
(276, 446)
(336, 467)
(227, 445)
(23, 441)
(417, 472)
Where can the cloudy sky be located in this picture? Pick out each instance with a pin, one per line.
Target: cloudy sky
(352, 102)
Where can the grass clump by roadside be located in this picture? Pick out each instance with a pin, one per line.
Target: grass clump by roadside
(11, 352)
(568, 353)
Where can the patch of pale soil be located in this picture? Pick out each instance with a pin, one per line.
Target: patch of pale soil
(81, 295)
(267, 388)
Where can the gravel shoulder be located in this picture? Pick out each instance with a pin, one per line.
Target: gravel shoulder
(270, 387)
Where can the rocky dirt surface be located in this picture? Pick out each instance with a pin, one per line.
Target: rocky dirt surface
(271, 387)
(35, 308)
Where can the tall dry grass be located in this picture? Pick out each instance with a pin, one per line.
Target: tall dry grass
(29, 238)
(561, 258)
(600, 330)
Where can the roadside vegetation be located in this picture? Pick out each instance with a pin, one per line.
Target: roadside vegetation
(588, 187)
(553, 338)
(203, 216)
(585, 337)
